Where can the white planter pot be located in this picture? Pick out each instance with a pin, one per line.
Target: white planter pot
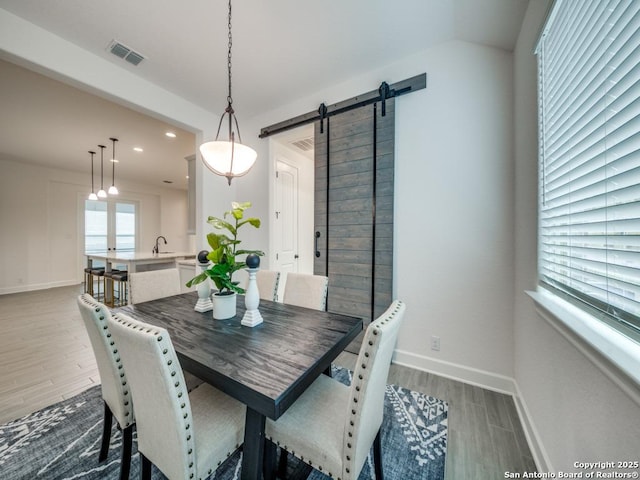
(224, 306)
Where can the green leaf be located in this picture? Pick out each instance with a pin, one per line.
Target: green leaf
(253, 221)
(237, 213)
(222, 224)
(214, 240)
(197, 279)
(260, 253)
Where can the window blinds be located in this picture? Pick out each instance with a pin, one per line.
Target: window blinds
(589, 121)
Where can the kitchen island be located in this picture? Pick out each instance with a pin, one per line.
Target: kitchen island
(138, 261)
(135, 262)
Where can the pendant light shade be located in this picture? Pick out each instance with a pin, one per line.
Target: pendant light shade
(101, 192)
(92, 195)
(113, 190)
(228, 158)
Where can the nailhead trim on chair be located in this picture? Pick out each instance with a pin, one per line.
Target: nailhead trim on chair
(379, 325)
(357, 387)
(105, 330)
(179, 393)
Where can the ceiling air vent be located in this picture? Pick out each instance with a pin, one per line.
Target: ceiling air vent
(122, 51)
(305, 144)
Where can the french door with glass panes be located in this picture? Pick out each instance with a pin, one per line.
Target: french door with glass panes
(110, 225)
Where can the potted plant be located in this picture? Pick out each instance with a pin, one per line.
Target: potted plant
(223, 258)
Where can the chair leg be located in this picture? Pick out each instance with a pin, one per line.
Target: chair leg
(145, 470)
(268, 461)
(125, 459)
(377, 456)
(106, 433)
(282, 463)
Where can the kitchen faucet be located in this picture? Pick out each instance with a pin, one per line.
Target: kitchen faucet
(156, 249)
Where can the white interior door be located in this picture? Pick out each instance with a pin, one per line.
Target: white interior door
(286, 217)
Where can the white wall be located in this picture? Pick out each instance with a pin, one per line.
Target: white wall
(576, 410)
(454, 196)
(41, 213)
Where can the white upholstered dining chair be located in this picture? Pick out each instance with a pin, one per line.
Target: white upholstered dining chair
(115, 391)
(268, 282)
(305, 290)
(146, 286)
(185, 435)
(332, 426)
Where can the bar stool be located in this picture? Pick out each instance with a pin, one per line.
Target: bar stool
(90, 278)
(108, 285)
(88, 281)
(97, 274)
(120, 278)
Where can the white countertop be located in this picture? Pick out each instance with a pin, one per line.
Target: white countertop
(139, 256)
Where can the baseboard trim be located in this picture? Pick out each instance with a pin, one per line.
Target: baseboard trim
(39, 286)
(454, 371)
(489, 381)
(540, 456)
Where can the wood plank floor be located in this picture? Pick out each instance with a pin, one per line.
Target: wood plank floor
(46, 356)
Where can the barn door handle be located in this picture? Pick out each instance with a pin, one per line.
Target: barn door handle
(317, 251)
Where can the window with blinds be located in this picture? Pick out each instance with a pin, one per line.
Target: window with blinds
(589, 123)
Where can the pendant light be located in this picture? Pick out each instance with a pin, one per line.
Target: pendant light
(113, 189)
(228, 158)
(92, 195)
(101, 192)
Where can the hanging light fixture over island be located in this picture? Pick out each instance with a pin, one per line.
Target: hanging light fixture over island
(92, 195)
(113, 190)
(101, 192)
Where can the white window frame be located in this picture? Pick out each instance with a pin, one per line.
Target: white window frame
(589, 104)
(585, 325)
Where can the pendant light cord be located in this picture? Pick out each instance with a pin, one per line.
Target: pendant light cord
(92, 187)
(229, 110)
(102, 147)
(229, 99)
(113, 161)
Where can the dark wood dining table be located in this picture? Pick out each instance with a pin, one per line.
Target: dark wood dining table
(266, 367)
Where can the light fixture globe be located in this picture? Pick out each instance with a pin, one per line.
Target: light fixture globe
(227, 158)
(113, 190)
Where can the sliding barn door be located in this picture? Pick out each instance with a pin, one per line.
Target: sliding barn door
(354, 168)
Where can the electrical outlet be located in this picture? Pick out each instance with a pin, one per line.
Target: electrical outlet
(435, 343)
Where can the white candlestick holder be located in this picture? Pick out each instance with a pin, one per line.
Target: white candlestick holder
(204, 303)
(252, 316)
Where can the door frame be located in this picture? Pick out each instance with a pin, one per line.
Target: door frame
(81, 198)
(305, 166)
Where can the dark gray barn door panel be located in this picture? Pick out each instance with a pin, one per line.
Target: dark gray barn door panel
(354, 168)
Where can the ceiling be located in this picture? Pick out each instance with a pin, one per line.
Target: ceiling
(282, 50)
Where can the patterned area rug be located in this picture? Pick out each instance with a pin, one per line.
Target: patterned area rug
(62, 441)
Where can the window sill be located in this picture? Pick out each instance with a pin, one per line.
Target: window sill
(583, 331)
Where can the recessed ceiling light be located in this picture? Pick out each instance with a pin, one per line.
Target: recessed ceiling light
(170, 135)
(138, 149)
(114, 160)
